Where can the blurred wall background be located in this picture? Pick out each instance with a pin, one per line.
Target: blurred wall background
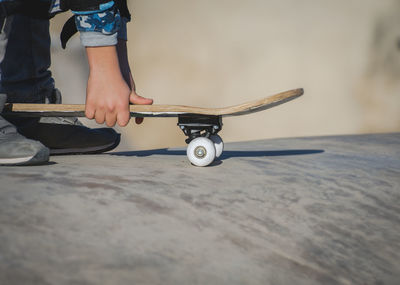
(214, 53)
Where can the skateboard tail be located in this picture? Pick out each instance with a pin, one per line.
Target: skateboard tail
(267, 103)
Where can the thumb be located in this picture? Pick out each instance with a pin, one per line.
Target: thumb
(139, 100)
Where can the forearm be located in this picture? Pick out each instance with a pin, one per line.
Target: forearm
(103, 60)
(111, 87)
(111, 59)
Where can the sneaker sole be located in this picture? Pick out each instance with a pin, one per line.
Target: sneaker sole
(15, 161)
(40, 158)
(87, 150)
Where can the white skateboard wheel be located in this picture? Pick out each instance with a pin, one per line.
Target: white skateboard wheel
(201, 151)
(218, 144)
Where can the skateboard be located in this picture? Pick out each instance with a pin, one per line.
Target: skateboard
(200, 125)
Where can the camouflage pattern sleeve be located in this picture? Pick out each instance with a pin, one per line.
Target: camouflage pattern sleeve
(106, 22)
(99, 28)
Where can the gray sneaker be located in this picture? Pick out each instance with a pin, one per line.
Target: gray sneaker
(66, 135)
(16, 149)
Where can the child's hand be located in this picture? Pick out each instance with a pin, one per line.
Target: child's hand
(107, 98)
(108, 95)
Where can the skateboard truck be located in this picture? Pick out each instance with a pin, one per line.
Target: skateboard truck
(194, 126)
(204, 142)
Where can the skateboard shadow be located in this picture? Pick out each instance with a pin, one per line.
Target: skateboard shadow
(225, 155)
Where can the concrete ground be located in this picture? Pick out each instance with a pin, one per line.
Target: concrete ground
(322, 210)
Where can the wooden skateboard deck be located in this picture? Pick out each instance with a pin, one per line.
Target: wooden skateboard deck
(64, 110)
(200, 125)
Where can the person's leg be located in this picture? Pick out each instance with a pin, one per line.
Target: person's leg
(14, 148)
(26, 78)
(25, 75)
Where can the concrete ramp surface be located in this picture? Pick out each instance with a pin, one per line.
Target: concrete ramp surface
(322, 210)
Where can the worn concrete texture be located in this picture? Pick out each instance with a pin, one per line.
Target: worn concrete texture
(321, 210)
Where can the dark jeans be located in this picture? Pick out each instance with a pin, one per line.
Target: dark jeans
(25, 59)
